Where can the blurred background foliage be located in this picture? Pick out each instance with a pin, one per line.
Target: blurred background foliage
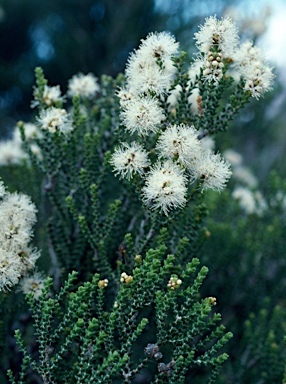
(245, 253)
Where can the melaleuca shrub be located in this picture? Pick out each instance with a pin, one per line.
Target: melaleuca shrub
(126, 166)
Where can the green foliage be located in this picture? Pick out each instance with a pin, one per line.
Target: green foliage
(246, 253)
(90, 334)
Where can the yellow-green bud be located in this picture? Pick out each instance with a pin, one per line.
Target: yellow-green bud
(102, 283)
(138, 259)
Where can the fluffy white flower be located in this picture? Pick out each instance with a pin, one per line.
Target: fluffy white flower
(28, 257)
(145, 77)
(19, 204)
(11, 152)
(250, 202)
(125, 95)
(250, 62)
(179, 142)
(83, 85)
(129, 159)
(212, 170)
(221, 35)
(142, 115)
(165, 187)
(51, 96)
(159, 46)
(258, 80)
(18, 214)
(55, 119)
(245, 198)
(150, 68)
(245, 176)
(247, 53)
(33, 284)
(10, 269)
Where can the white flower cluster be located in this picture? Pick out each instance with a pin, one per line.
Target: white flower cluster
(252, 202)
(165, 187)
(85, 86)
(11, 151)
(179, 142)
(55, 120)
(252, 66)
(150, 68)
(218, 43)
(142, 115)
(213, 170)
(51, 96)
(182, 159)
(249, 198)
(149, 72)
(130, 159)
(178, 156)
(51, 118)
(17, 216)
(220, 35)
(33, 284)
